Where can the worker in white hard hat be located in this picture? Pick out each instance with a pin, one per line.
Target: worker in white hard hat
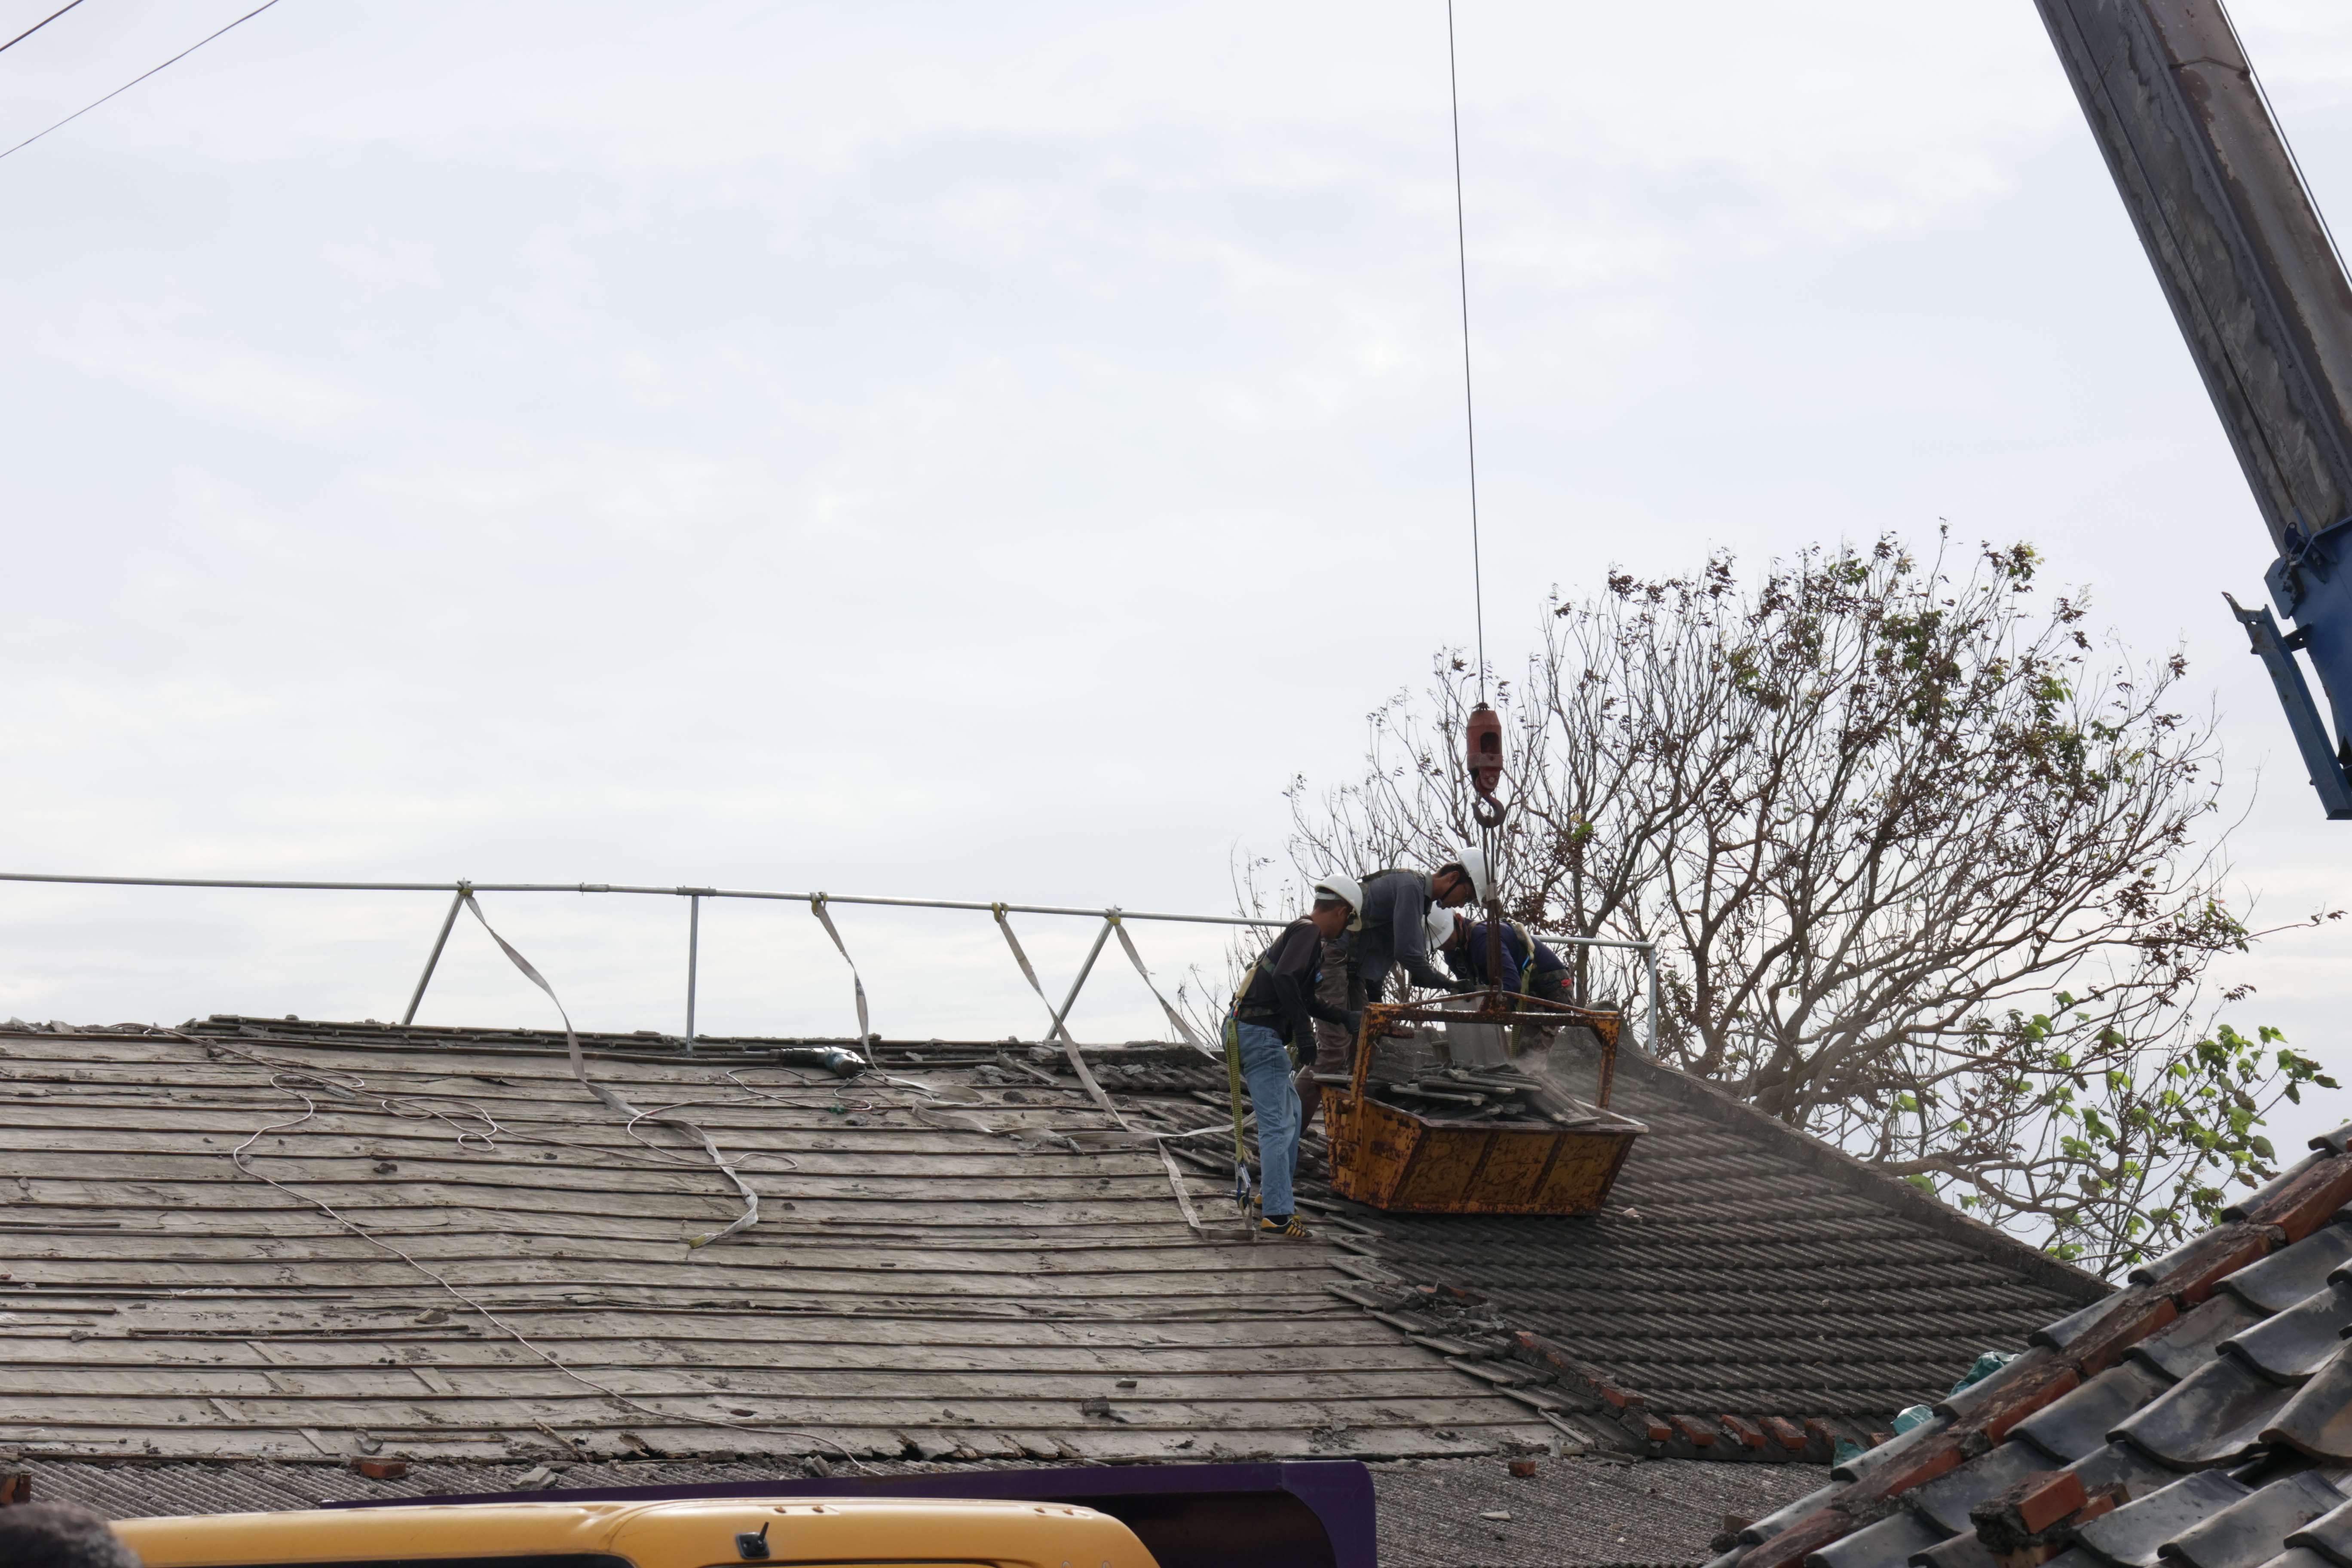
(1529, 966)
(1270, 1015)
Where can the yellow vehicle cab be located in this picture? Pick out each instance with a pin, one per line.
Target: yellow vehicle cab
(873, 1533)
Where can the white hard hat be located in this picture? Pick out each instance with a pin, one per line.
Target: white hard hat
(1473, 861)
(1439, 926)
(1345, 888)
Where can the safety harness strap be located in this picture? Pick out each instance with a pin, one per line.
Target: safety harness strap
(1176, 1020)
(1086, 1075)
(1233, 1077)
(864, 1029)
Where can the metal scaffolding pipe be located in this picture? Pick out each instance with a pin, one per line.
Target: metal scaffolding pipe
(461, 888)
(433, 958)
(693, 961)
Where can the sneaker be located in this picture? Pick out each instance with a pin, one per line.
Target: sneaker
(1286, 1227)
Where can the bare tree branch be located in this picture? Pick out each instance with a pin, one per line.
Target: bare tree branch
(1930, 876)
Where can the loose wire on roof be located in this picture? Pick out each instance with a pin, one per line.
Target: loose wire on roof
(36, 26)
(135, 81)
(1469, 414)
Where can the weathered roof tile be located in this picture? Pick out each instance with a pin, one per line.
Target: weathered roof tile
(2133, 1535)
(2296, 1342)
(2247, 1533)
(2317, 1421)
(2291, 1273)
(2195, 1339)
(1889, 1543)
(2079, 1423)
(2215, 1415)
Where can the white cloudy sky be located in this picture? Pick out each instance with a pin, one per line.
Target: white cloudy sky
(984, 452)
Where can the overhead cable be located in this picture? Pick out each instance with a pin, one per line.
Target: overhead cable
(1469, 412)
(135, 81)
(36, 26)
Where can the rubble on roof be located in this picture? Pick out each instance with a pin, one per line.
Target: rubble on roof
(958, 1261)
(986, 1273)
(2201, 1417)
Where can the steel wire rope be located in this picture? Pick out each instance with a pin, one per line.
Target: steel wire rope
(2160, 218)
(36, 26)
(1469, 409)
(2263, 93)
(135, 81)
(291, 1081)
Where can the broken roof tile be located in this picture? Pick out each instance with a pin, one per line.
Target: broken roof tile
(1946, 1499)
(2120, 1465)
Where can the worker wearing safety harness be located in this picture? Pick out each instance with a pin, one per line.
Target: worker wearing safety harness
(1388, 933)
(1271, 1011)
(1529, 966)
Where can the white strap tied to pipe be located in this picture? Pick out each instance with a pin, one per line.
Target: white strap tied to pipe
(611, 1101)
(864, 1029)
(1175, 1019)
(1086, 1075)
(1027, 972)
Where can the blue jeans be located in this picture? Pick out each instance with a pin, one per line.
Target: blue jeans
(1265, 1068)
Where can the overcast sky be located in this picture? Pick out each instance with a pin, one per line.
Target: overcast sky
(986, 451)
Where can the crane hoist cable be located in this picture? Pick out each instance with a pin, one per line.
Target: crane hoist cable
(1482, 734)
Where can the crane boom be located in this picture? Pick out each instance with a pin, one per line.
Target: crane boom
(2260, 295)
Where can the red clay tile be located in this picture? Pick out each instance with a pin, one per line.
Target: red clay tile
(2303, 1199)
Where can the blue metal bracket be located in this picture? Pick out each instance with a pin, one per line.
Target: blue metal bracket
(2276, 651)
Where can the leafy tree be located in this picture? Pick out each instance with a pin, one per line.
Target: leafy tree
(1929, 874)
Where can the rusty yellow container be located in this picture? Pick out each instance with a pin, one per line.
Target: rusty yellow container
(1414, 1162)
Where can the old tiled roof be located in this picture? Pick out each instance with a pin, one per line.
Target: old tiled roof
(953, 1260)
(2201, 1417)
(979, 1269)
(1740, 1269)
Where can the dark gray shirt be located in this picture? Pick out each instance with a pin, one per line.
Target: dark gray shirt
(1396, 903)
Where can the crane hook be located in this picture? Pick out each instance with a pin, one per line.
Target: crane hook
(1482, 737)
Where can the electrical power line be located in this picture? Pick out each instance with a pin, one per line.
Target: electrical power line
(135, 81)
(36, 26)
(1469, 415)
